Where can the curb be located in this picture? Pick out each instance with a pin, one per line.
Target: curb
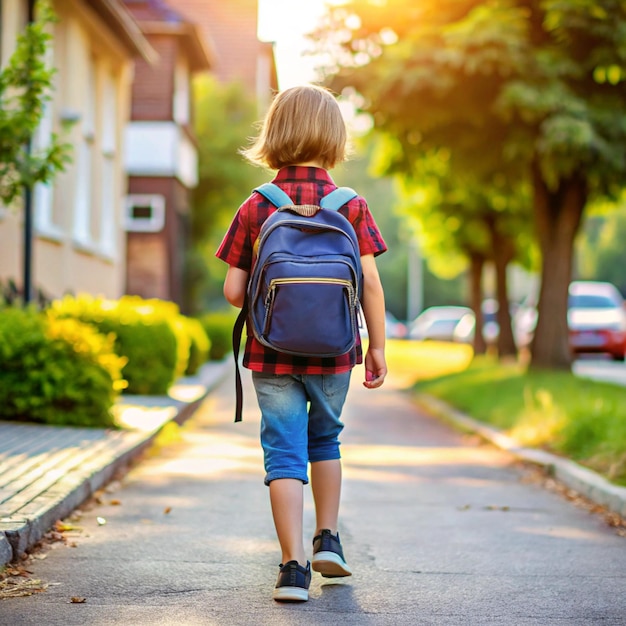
(104, 460)
(582, 480)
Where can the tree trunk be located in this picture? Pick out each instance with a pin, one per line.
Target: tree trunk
(503, 252)
(558, 215)
(477, 262)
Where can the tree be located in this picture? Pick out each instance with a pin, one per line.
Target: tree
(25, 85)
(225, 114)
(531, 89)
(482, 221)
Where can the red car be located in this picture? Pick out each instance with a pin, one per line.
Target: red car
(597, 319)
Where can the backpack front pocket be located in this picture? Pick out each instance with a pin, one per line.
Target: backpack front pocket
(310, 315)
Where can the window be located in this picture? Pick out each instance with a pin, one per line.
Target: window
(181, 92)
(109, 190)
(83, 198)
(145, 213)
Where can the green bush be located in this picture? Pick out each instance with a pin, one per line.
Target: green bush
(219, 328)
(56, 371)
(169, 313)
(145, 332)
(200, 345)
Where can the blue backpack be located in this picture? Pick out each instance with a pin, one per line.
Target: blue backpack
(304, 292)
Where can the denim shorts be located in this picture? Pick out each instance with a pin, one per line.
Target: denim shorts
(300, 420)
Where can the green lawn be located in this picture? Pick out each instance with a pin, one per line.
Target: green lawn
(575, 417)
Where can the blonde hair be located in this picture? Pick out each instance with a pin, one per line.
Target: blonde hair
(303, 124)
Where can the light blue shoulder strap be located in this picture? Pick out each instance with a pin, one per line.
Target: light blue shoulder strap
(333, 201)
(337, 198)
(275, 195)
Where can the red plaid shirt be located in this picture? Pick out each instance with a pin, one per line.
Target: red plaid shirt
(304, 185)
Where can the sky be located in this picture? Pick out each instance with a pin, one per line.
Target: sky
(286, 22)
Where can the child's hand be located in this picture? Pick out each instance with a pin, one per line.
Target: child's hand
(375, 368)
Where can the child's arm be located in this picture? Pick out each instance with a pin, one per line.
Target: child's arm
(235, 286)
(373, 303)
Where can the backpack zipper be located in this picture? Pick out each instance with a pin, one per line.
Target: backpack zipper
(277, 282)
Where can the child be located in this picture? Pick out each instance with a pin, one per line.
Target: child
(301, 398)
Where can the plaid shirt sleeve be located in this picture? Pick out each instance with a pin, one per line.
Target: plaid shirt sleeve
(370, 239)
(236, 247)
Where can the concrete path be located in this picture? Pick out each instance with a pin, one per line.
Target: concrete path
(47, 471)
(438, 529)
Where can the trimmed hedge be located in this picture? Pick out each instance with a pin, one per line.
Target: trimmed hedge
(200, 345)
(56, 371)
(219, 327)
(147, 332)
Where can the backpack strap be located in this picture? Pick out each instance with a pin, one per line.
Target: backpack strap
(275, 195)
(337, 198)
(237, 332)
(333, 201)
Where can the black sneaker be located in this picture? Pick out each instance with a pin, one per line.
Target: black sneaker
(328, 556)
(293, 582)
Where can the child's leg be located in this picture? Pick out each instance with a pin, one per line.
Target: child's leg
(287, 502)
(283, 403)
(326, 487)
(327, 394)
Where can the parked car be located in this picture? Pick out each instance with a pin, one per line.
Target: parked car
(394, 329)
(464, 331)
(596, 318)
(437, 323)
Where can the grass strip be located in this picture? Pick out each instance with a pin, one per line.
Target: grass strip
(581, 419)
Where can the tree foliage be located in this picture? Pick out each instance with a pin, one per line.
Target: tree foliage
(25, 85)
(533, 90)
(601, 254)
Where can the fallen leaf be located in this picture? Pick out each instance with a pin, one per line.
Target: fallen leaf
(63, 527)
(115, 502)
(101, 521)
(12, 588)
(168, 509)
(77, 600)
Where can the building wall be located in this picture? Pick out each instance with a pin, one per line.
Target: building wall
(153, 86)
(79, 242)
(232, 28)
(156, 259)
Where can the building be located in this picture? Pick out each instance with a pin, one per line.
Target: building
(161, 155)
(232, 27)
(79, 236)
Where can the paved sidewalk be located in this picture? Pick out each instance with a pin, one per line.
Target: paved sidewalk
(47, 471)
(438, 529)
(582, 480)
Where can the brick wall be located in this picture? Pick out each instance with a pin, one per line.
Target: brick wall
(153, 86)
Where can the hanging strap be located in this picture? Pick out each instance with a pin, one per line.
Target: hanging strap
(237, 333)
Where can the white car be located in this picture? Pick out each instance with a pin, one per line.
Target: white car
(437, 323)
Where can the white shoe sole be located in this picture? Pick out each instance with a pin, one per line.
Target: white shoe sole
(290, 594)
(330, 564)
